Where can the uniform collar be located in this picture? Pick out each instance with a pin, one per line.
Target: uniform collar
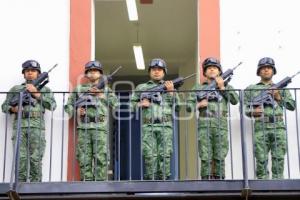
(90, 84)
(153, 82)
(261, 83)
(205, 82)
(27, 82)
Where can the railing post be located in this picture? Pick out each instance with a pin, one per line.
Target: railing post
(175, 139)
(14, 179)
(246, 192)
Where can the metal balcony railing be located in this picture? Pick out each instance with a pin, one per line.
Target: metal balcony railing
(124, 164)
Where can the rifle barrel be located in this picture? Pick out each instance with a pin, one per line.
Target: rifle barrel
(237, 66)
(114, 72)
(52, 68)
(187, 77)
(295, 74)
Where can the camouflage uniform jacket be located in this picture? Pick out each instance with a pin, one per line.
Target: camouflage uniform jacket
(216, 113)
(100, 110)
(268, 110)
(156, 111)
(37, 111)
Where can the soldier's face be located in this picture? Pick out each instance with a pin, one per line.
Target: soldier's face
(93, 74)
(266, 72)
(157, 73)
(31, 74)
(212, 72)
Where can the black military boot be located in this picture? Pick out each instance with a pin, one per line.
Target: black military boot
(219, 177)
(207, 177)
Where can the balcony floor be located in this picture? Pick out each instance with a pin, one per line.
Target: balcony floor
(213, 189)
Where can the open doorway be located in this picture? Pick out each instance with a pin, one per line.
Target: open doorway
(166, 29)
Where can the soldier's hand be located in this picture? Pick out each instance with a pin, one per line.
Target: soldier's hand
(202, 104)
(14, 109)
(170, 86)
(257, 112)
(220, 82)
(32, 89)
(81, 111)
(96, 92)
(276, 95)
(145, 103)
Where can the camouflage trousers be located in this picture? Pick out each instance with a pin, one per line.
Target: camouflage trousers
(32, 148)
(270, 140)
(157, 151)
(92, 154)
(213, 148)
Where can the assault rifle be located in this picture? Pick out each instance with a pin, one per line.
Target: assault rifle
(210, 92)
(39, 83)
(266, 98)
(87, 99)
(154, 94)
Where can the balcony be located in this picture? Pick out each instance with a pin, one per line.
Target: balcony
(124, 174)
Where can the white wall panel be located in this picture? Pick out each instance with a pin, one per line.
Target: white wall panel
(35, 29)
(250, 30)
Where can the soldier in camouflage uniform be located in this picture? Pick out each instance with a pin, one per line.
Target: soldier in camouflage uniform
(269, 127)
(157, 132)
(212, 121)
(33, 142)
(92, 124)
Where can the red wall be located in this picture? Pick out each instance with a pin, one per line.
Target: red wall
(208, 30)
(80, 53)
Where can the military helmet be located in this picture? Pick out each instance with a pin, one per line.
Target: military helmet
(94, 64)
(31, 64)
(211, 62)
(266, 61)
(158, 62)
